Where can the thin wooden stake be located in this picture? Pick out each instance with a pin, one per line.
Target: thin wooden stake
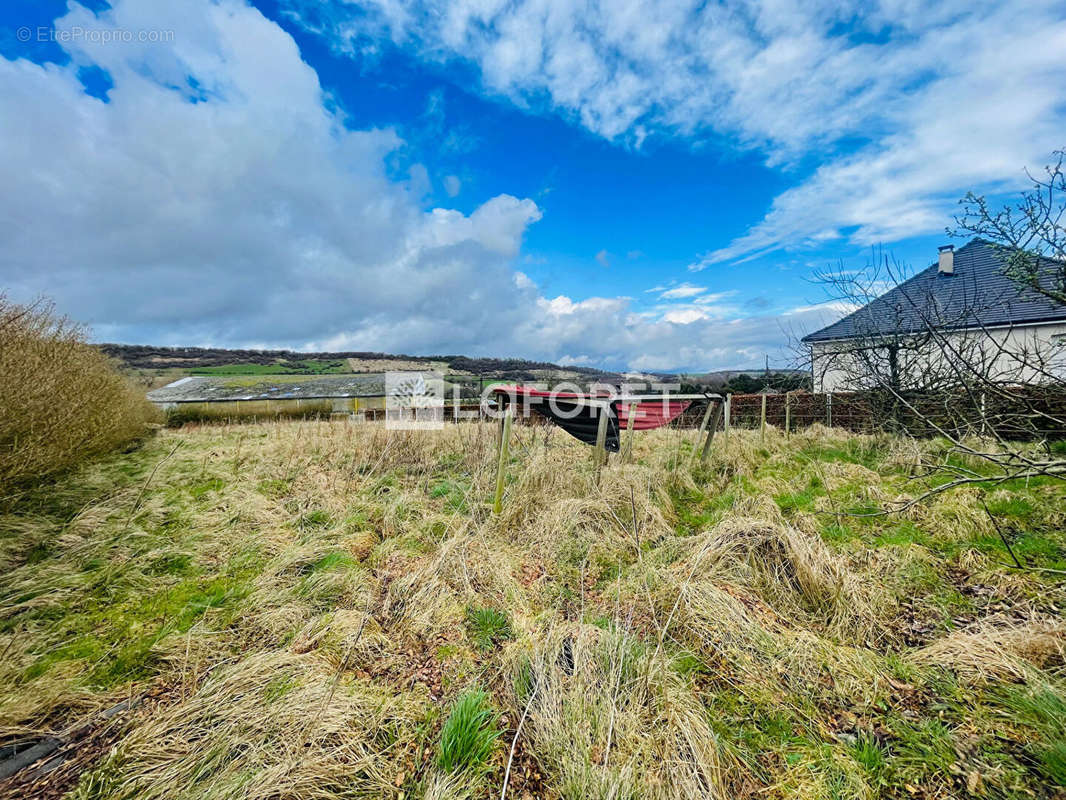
(703, 428)
(762, 419)
(728, 415)
(629, 432)
(829, 410)
(501, 465)
(788, 415)
(599, 452)
(706, 454)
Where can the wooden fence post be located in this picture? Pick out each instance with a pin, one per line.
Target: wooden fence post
(829, 409)
(501, 463)
(788, 415)
(728, 414)
(599, 452)
(628, 452)
(762, 418)
(703, 428)
(706, 454)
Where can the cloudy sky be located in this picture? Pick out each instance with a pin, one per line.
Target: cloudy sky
(620, 184)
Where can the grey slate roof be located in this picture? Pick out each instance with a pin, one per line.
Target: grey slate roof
(978, 294)
(276, 387)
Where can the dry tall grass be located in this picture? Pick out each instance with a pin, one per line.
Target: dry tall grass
(299, 595)
(61, 400)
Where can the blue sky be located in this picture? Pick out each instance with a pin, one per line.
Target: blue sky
(623, 184)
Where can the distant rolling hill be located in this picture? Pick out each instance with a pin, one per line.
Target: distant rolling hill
(157, 365)
(221, 361)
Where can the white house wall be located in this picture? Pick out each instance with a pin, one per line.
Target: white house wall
(834, 369)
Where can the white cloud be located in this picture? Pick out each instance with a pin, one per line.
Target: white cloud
(257, 215)
(253, 215)
(714, 297)
(834, 308)
(682, 291)
(600, 331)
(684, 316)
(497, 225)
(564, 306)
(452, 185)
(603, 258)
(523, 281)
(886, 111)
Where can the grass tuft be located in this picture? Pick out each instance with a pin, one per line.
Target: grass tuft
(488, 627)
(469, 734)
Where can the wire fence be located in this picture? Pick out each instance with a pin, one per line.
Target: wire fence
(1019, 412)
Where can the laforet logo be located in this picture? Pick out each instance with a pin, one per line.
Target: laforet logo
(414, 400)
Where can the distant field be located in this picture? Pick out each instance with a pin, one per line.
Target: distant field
(305, 367)
(395, 365)
(327, 610)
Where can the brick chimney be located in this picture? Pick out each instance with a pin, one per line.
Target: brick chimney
(946, 260)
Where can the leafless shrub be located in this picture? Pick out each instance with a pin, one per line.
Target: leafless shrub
(931, 365)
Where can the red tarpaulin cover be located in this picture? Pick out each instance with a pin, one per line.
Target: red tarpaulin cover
(650, 414)
(653, 414)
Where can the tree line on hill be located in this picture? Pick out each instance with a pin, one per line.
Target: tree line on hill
(154, 357)
(748, 382)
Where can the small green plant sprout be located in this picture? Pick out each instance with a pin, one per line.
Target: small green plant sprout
(488, 627)
(870, 753)
(469, 734)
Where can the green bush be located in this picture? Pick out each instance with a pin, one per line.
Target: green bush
(61, 400)
(469, 734)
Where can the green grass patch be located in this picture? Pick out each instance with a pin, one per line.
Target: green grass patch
(1043, 709)
(315, 519)
(201, 489)
(871, 756)
(331, 561)
(488, 627)
(455, 493)
(469, 734)
(802, 500)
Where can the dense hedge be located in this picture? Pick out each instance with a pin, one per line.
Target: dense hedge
(61, 400)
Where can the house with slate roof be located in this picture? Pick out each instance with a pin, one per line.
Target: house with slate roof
(964, 307)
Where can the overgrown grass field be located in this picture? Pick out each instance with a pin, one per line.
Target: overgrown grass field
(319, 610)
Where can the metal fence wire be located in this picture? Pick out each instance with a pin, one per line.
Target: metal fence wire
(1012, 412)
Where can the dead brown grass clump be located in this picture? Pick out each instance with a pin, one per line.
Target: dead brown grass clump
(272, 725)
(992, 651)
(792, 571)
(62, 399)
(610, 718)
